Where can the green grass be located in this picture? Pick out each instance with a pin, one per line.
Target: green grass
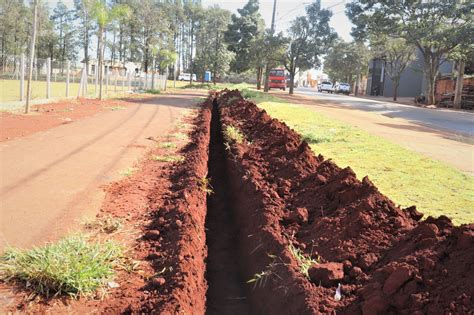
(218, 86)
(405, 176)
(72, 266)
(128, 171)
(233, 134)
(10, 90)
(304, 262)
(167, 145)
(168, 158)
(153, 91)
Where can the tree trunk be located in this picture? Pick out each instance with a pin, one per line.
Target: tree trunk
(292, 80)
(86, 47)
(101, 60)
(191, 55)
(431, 72)
(356, 89)
(32, 57)
(266, 88)
(396, 83)
(459, 84)
(259, 78)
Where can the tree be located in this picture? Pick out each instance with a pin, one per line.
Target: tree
(310, 36)
(398, 54)
(14, 27)
(211, 52)
(462, 55)
(103, 16)
(63, 19)
(83, 13)
(344, 60)
(435, 27)
(241, 34)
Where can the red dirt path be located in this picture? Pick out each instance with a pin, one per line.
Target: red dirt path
(47, 116)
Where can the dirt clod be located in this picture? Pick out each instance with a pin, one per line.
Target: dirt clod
(328, 274)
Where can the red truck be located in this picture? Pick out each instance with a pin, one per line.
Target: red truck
(276, 79)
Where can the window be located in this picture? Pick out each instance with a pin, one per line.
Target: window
(277, 73)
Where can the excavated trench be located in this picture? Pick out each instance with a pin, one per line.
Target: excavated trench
(226, 293)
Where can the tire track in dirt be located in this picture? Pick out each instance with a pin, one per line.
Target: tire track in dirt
(56, 162)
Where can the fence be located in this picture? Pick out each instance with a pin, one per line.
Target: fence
(55, 79)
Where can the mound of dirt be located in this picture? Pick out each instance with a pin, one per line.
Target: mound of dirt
(290, 198)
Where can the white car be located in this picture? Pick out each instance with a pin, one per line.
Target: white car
(186, 77)
(326, 86)
(343, 88)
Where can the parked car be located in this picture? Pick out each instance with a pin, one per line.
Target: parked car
(326, 86)
(186, 77)
(343, 88)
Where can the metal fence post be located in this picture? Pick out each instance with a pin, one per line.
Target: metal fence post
(22, 78)
(68, 66)
(48, 78)
(106, 81)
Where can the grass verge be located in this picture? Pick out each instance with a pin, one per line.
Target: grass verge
(405, 176)
(168, 158)
(72, 266)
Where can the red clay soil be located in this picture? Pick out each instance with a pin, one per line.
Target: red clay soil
(50, 115)
(229, 252)
(164, 208)
(385, 260)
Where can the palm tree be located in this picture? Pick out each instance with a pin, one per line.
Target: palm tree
(103, 16)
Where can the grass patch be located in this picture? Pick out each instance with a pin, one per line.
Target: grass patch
(407, 177)
(106, 224)
(233, 134)
(168, 158)
(73, 266)
(153, 91)
(128, 171)
(304, 262)
(179, 136)
(167, 145)
(204, 184)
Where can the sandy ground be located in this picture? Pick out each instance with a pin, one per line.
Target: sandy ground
(51, 180)
(443, 146)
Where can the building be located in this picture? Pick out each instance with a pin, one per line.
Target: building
(412, 80)
(122, 68)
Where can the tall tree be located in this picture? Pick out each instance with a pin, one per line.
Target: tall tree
(103, 15)
(242, 31)
(32, 55)
(310, 36)
(398, 54)
(211, 50)
(344, 60)
(63, 19)
(83, 13)
(435, 27)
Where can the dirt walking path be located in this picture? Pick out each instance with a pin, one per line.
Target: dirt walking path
(51, 180)
(436, 144)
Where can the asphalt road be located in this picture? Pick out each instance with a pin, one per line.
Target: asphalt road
(457, 122)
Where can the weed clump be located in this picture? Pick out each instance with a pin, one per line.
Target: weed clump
(233, 134)
(153, 91)
(72, 266)
(168, 158)
(304, 262)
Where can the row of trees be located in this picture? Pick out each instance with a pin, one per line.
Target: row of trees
(438, 30)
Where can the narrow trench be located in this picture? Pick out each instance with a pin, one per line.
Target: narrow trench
(226, 293)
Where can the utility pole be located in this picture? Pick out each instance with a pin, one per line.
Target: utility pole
(32, 57)
(272, 30)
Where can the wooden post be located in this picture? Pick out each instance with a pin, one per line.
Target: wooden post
(129, 79)
(116, 78)
(22, 78)
(68, 69)
(123, 82)
(36, 68)
(153, 75)
(81, 85)
(48, 78)
(96, 81)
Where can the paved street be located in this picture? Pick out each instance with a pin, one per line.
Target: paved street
(457, 122)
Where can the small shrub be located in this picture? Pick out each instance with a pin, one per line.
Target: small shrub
(72, 266)
(232, 134)
(205, 185)
(247, 93)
